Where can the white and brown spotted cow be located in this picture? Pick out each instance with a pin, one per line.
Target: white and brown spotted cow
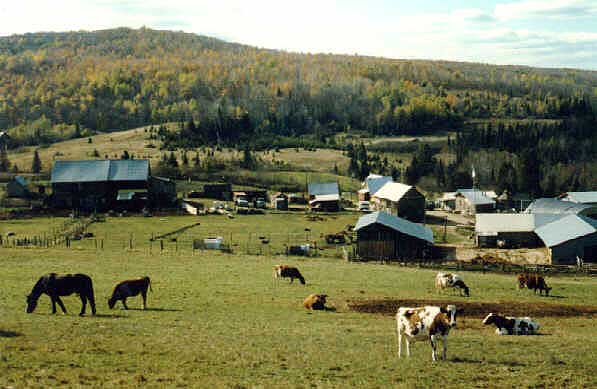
(507, 325)
(429, 322)
(451, 280)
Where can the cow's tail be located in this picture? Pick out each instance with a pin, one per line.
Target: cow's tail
(90, 295)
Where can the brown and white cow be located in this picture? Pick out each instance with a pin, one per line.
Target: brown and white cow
(130, 288)
(533, 281)
(285, 271)
(451, 280)
(423, 323)
(507, 325)
(315, 302)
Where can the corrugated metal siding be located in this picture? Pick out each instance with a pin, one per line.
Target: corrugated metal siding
(396, 223)
(323, 188)
(100, 170)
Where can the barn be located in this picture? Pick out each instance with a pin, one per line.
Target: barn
(512, 230)
(588, 198)
(17, 187)
(400, 200)
(473, 201)
(381, 236)
(324, 196)
(559, 207)
(371, 185)
(570, 237)
(100, 185)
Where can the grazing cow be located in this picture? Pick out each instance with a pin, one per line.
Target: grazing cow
(288, 272)
(429, 322)
(315, 302)
(130, 288)
(507, 325)
(450, 280)
(533, 281)
(55, 285)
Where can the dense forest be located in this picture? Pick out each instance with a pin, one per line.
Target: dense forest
(56, 86)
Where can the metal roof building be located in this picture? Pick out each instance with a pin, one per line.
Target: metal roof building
(381, 236)
(323, 188)
(100, 170)
(570, 237)
(580, 197)
(555, 206)
(98, 185)
(510, 229)
(375, 182)
(400, 200)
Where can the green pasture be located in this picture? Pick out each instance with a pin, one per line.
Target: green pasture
(219, 320)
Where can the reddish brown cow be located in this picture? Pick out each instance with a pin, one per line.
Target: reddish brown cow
(315, 301)
(533, 281)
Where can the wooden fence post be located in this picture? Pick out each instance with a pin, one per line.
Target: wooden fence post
(161, 245)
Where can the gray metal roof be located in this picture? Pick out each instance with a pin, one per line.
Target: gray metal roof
(21, 181)
(323, 188)
(100, 170)
(565, 229)
(375, 183)
(396, 223)
(511, 222)
(581, 197)
(475, 197)
(549, 205)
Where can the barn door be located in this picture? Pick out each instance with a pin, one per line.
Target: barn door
(590, 254)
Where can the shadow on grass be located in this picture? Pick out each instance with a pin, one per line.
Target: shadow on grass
(501, 363)
(557, 297)
(9, 334)
(156, 309)
(107, 316)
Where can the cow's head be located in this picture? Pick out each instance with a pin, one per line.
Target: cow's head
(522, 280)
(415, 324)
(111, 302)
(31, 303)
(489, 319)
(451, 312)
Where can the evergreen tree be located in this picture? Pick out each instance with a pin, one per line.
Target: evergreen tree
(185, 159)
(172, 161)
(196, 160)
(36, 164)
(125, 155)
(4, 162)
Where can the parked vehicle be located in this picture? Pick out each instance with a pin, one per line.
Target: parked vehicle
(242, 201)
(260, 203)
(364, 206)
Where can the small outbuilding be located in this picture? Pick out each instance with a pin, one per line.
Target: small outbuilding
(219, 191)
(324, 196)
(570, 237)
(280, 202)
(400, 200)
(381, 236)
(17, 187)
(473, 201)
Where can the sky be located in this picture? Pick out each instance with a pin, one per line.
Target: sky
(545, 33)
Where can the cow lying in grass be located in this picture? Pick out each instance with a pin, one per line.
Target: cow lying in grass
(533, 281)
(450, 280)
(315, 302)
(511, 325)
(130, 288)
(286, 271)
(429, 322)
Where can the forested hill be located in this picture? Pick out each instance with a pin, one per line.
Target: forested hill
(60, 85)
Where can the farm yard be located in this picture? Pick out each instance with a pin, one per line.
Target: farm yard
(220, 320)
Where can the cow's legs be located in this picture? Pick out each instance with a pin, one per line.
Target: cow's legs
(83, 305)
(432, 339)
(60, 304)
(407, 342)
(399, 343)
(144, 296)
(445, 344)
(124, 303)
(53, 299)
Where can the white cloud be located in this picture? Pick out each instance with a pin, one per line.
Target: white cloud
(559, 9)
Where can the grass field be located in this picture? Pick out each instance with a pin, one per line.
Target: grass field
(218, 320)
